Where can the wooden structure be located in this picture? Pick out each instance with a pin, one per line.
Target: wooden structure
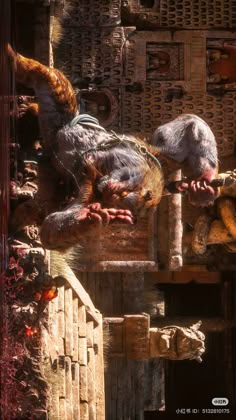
(73, 353)
(133, 338)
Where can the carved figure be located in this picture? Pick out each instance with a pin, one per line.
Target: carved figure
(224, 63)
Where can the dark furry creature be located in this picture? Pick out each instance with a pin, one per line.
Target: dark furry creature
(114, 177)
(189, 141)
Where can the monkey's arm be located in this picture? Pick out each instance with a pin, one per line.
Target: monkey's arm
(62, 229)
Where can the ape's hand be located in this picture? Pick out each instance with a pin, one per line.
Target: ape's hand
(200, 193)
(94, 213)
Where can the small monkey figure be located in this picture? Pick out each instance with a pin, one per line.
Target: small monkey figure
(115, 177)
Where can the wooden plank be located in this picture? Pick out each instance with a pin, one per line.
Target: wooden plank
(50, 373)
(83, 384)
(137, 336)
(117, 266)
(68, 386)
(130, 402)
(68, 322)
(115, 331)
(53, 339)
(99, 370)
(105, 292)
(61, 346)
(61, 377)
(117, 289)
(62, 407)
(121, 397)
(84, 410)
(82, 321)
(139, 389)
(75, 355)
(133, 286)
(154, 343)
(91, 282)
(154, 380)
(75, 391)
(61, 320)
(48, 346)
(89, 329)
(83, 278)
(55, 270)
(175, 227)
(111, 389)
(83, 360)
(91, 385)
(74, 283)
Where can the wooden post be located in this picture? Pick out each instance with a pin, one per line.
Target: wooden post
(68, 322)
(69, 394)
(99, 370)
(75, 355)
(91, 384)
(137, 336)
(76, 390)
(175, 227)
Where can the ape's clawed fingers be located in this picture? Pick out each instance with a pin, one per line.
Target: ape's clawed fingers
(95, 214)
(121, 215)
(202, 194)
(183, 187)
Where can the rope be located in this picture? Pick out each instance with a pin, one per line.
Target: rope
(88, 120)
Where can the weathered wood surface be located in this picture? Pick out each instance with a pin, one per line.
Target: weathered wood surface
(89, 335)
(137, 336)
(99, 370)
(75, 366)
(82, 321)
(175, 228)
(83, 384)
(91, 384)
(61, 320)
(68, 322)
(76, 390)
(194, 274)
(75, 354)
(83, 351)
(125, 378)
(125, 266)
(120, 247)
(115, 329)
(68, 387)
(59, 267)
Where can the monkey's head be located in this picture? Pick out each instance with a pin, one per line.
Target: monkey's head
(137, 189)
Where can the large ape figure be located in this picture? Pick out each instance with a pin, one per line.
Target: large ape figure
(116, 177)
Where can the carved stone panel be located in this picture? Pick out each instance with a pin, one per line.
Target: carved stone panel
(164, 61)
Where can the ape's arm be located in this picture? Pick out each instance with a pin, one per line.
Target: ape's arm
(63, 229)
